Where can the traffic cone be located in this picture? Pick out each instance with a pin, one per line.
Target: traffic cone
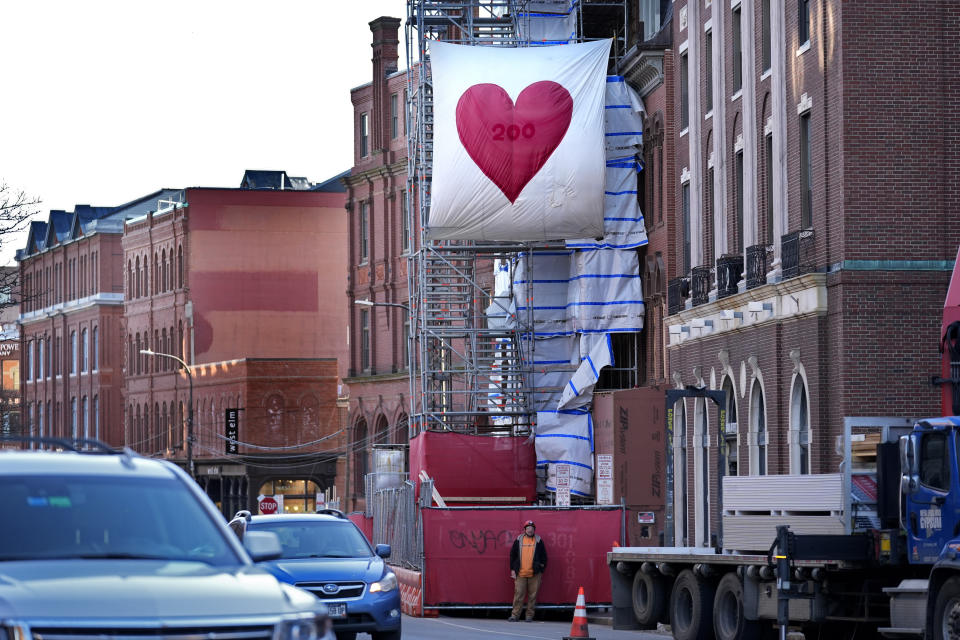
(578, 630)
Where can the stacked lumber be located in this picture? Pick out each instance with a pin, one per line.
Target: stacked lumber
(753, 507)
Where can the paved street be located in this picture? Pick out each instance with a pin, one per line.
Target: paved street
(463, 628)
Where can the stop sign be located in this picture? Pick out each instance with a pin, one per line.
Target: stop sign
(268, 505)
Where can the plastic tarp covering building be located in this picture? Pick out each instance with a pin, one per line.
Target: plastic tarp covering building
(456, 460)
(548, 22)
(519, 151)
(467, 554)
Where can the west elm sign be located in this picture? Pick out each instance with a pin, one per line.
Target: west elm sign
(232, 430)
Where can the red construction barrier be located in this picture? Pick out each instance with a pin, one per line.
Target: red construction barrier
(465, 466)
(467, 554)
(365, 524)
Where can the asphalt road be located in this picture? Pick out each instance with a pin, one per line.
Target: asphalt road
(463, 628)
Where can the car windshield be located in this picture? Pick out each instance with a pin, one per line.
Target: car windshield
(76, 516)
(318, 539)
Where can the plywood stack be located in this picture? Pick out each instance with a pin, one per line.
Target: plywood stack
(753, 507)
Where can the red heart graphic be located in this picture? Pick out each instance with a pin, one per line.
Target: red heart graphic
(510, 143)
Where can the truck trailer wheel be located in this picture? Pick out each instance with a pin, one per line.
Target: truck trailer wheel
(649, 599)
(691, 607)
(728, 620)
(946, 612)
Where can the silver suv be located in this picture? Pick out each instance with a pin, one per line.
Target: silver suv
(110, 545)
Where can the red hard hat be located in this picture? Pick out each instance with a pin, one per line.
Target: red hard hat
(529, 523)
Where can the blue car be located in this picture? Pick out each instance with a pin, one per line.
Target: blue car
(329, 556)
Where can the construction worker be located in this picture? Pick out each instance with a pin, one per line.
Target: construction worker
(528, 559)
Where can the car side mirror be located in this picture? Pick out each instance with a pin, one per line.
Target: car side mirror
(909, 467)
(383, 550)
(262, 545)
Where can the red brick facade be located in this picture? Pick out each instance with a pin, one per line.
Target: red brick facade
(858, 333)
(378, 259)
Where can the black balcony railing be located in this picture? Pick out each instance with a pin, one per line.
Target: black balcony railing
(700, 279)
(797, 248)
(678, 289)
(729, 274)
(756, 266)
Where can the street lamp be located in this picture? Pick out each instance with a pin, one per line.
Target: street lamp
(149, 352)
(371, 303)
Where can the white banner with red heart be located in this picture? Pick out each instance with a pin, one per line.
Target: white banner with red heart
(518, 142)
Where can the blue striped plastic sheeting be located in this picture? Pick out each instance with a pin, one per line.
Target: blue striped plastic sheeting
(551, 363)
(566, 437)
(623, 224)
(540, 285)
(623, 117)
(548, 23)
(606, 291)
(579, 390)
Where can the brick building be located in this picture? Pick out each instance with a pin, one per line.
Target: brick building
(814, 202)
(380, 243)
(246, 286)
(71, 321)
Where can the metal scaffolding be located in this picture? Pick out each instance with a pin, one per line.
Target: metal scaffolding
(471, 358)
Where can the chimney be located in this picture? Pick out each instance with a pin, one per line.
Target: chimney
(385, 56)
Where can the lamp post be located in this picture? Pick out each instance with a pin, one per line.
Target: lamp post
(371, 303)
(148, 352)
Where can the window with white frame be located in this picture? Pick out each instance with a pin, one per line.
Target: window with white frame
(30, 347)
(364, 232)
(680, 473)
(736, 28)
(74, 352)
(73, 418)
(394, 117)
(758, 431)
(799, 428)
(96, 348)
(40, 358)
(684, 91)
(364, 136)
(404, 223)
(803, 21)
(96, 417)
(730, 428)
(85, 412)
(84, 351)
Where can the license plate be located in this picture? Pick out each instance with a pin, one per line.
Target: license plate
(337, 610)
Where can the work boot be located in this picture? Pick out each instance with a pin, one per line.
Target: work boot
(512, 619)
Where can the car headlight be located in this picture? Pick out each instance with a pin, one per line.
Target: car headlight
(301, 630)
(386, 583)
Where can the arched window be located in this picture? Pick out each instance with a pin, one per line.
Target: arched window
(157, 426)
(163, 266)
(138, 430)
(180, 340)
(164, 428)
(382, 433)
(73, 352)
(84, 351)
(156, 273)
(164, 348)
(96, 417)
(680, 473)
(73, 418)
(156, 347)
(130, 353)
(129, 279)
(361, 461)
(758, 431)
(85, 413)
(701, 465)
(96, 348)
(799, 428)
(730, 431)
(180, 266)
(139, 281)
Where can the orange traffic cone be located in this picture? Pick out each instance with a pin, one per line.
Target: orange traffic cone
(579, 627)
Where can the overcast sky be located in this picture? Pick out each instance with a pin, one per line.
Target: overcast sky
(106, 101)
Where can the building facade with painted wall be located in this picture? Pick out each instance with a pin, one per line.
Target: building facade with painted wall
(246, 286)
